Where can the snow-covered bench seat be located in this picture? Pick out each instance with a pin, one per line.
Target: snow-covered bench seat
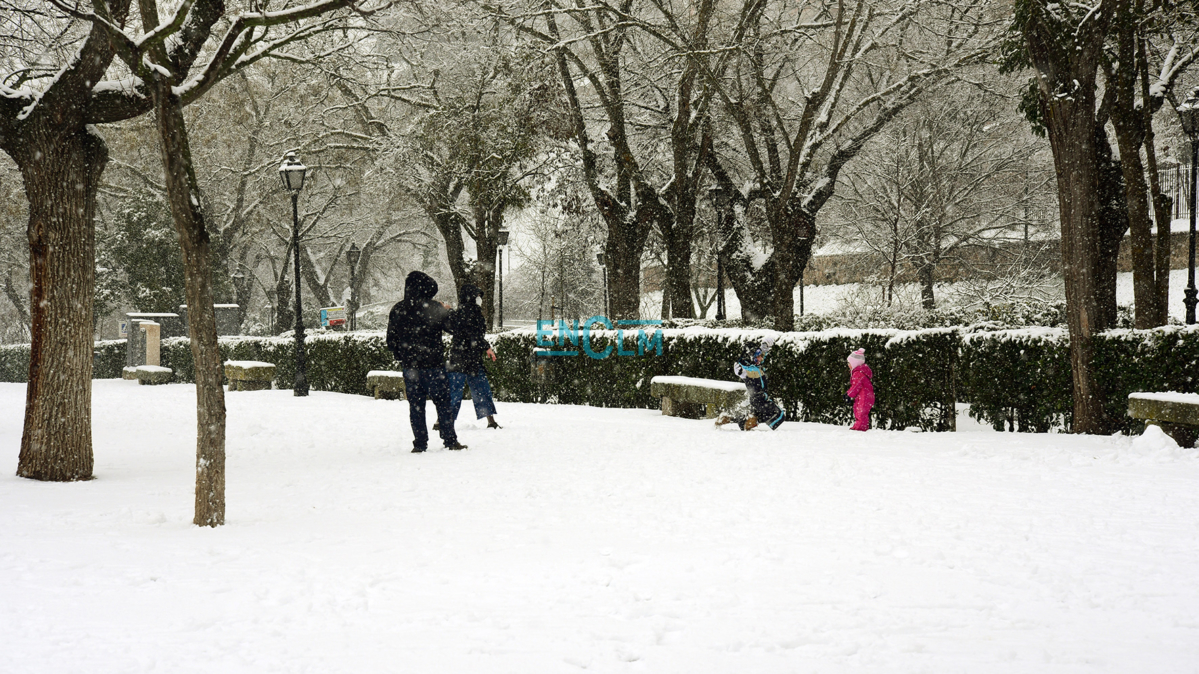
(695, 398)
(148, 374)
(386, 384)
(1168, 410)
(249, 375)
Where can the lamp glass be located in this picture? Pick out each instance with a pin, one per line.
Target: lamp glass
(502, 237)
(353, 254)
(599, 257)
(292, 172)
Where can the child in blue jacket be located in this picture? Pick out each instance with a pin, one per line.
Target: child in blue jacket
(763, 409)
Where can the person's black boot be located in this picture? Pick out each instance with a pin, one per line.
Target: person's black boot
(456, 445)
(491, 422)
(417, 450)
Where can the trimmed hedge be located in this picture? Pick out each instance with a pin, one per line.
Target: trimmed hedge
(1018, 379)
(335, 361)
(108, 357)
(1013, 379)
(808, 373)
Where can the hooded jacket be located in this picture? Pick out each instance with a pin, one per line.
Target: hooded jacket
(469, 329)
(415, 325)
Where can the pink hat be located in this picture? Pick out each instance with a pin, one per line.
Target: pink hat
(856, 358)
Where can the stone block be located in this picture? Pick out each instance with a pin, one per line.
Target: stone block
(153, 374)
(695, 398)
(249, 375)
(386, 384)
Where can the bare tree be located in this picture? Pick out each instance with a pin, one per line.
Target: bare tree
(1153, 45)
(638, 109)
(948, 178)
(809, 84)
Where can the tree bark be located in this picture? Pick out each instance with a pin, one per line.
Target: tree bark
(927, 299)
(1067, 62)
(183, 193)
(61, 165)
(1072, 137)
(1113, 224)
(1128, 120)
(489, 220)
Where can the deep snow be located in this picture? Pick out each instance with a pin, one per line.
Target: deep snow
(582, 539)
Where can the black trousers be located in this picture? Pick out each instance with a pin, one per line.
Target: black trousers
(421, 385)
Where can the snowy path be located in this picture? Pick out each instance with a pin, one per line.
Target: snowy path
(581, 539)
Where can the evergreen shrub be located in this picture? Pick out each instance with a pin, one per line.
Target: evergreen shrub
(1017, 380)
(913, 372)
(108, 358)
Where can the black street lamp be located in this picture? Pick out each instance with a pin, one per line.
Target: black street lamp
(1188, 113)
(502, 240)
(602, 259)
(292, 172)
(353, 255)
(720, 202)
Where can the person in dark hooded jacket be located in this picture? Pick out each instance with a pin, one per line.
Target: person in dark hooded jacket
(414, 330)
(469, 345)
(762, 409)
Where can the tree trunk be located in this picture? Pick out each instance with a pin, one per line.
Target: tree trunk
(623, 251)
(449, 223)
(1071, 130)
(676, 292)
(1113, 223)
(61, 170)
(183, 194)
(17, 301)
(1128, 119)
(489, 220)
(925, 275)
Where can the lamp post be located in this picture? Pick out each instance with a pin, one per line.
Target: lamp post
(352, 256)
(1188, 113)
(292, 172)
(602, 260)
(720, 202)
(502, 240)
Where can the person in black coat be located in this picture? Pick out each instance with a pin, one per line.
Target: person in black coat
(414, 330)
(469, 345)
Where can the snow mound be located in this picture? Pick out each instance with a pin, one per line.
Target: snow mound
(1155, 444)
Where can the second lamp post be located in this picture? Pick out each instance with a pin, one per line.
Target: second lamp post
(352, 256)
(292, 172)
(1188, 113)
(502, 240)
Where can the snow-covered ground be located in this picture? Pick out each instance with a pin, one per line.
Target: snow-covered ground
(1178, 283)
(601, 540)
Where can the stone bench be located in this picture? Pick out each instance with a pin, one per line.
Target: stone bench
(386, 384)
(148, 374)
(695, 398)
(249, 375)
(1176, 413)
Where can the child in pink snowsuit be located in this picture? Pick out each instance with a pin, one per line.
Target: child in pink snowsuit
(861, 390)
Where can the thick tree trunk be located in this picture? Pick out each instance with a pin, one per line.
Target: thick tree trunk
(1113, 224)
(184, 196)
(677, 290)
(623, 250)
(489, 220)
(1129, 138)
(925, 275)
(449, 223)
(61, 170)
(1071, 127)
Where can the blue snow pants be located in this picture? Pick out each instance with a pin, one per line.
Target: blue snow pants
(480, 392)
